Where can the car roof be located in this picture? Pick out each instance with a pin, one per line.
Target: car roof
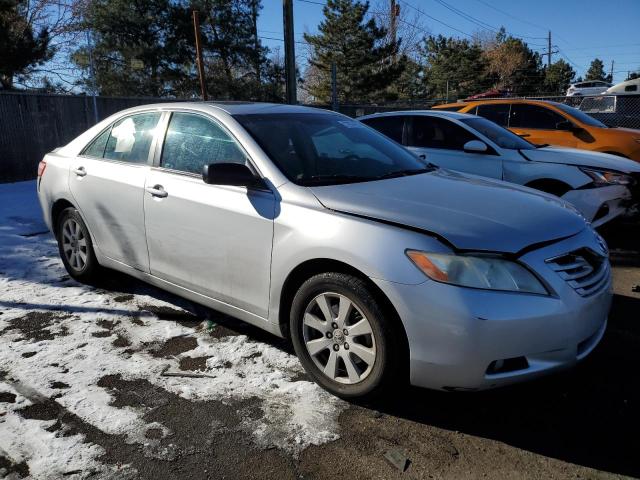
(496, 101)
(432, 113)
(231, 108)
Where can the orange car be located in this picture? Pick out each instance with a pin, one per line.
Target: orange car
(554, 124)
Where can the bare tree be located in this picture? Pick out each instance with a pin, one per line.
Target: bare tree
(60, 18)
(401, 22)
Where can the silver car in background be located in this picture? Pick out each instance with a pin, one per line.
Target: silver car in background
(599, 185)
(315, 227)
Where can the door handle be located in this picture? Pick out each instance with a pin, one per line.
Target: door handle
(423, 156)
(157, 191)
(80, 171)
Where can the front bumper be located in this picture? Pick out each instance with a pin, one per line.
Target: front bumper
(456, 333)
(601, 204)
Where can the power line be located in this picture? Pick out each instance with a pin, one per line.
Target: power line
(599, 47)
(482, 24)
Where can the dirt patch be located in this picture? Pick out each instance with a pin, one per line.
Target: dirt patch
(103, 334)
(28, 354)
(175, 346)
(123, 298)
(59, 385)
(204, 439)
(36, 326)
(7, 467)
(153, 433)
(41, 411)
(107, 324)
(7, 397)
(121, 342)
(193, 363)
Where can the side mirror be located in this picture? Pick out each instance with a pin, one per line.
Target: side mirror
(236, 174)
(566, 125)
(475, 146)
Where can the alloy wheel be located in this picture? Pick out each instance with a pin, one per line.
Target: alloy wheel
(74, 244)
(339, 338)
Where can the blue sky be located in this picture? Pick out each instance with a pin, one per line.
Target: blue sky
(581, 29)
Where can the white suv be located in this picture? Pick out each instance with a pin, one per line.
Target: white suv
(591, 87)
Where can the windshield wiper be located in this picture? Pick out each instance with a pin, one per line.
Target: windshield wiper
(405, 173)
(334, 178)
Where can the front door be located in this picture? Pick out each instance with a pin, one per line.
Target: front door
(441, 142)
(107, 182)
(213, 240)
(538, 125)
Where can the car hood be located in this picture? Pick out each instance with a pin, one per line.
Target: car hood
(471, 213)
(582, 158)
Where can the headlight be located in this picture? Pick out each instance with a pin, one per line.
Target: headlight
(491, 273)
(603, 177)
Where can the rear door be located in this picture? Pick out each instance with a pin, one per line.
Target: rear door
(107, 182)
(441, 141)
(539, 125)
(212, 239)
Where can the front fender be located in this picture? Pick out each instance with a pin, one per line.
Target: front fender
(376, 249)
(524, 173)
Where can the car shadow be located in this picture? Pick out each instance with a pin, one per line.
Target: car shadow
(588, 416)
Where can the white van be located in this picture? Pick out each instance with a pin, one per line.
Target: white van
(630, 87)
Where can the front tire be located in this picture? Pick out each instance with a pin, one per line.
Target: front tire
(342, 336)
(76, 248)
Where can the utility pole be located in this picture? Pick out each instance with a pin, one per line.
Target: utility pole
(549, 50)
(196, 32)
(289, 51)
(611, 73)
(334, 87)
(394, 13)
(92, 72)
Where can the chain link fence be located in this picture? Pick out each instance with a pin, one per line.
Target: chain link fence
(33, 124)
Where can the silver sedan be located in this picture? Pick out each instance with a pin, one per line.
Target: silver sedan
(378, 266)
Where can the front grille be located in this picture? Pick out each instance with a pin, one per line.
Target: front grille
(585, 271)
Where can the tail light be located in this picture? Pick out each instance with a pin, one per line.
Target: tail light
(41, 167)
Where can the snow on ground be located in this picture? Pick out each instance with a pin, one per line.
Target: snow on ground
(54, 331)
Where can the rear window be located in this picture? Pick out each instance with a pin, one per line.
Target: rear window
(391, 126)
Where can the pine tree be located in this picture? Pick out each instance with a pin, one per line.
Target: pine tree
(366, 64)
(132, 51)
(596, 71)
(557, 78)
(20, 46)
(454, 66)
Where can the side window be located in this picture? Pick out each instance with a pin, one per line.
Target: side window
(193, 141)
(131, 137)
(631, 88)
(497, 113)
(433, 132)
(389, 126)
(96, 148)
(534, 116)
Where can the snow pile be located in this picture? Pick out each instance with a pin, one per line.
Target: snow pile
(75, 345)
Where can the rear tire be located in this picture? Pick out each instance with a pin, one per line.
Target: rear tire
(76, 248)
(343, 338)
